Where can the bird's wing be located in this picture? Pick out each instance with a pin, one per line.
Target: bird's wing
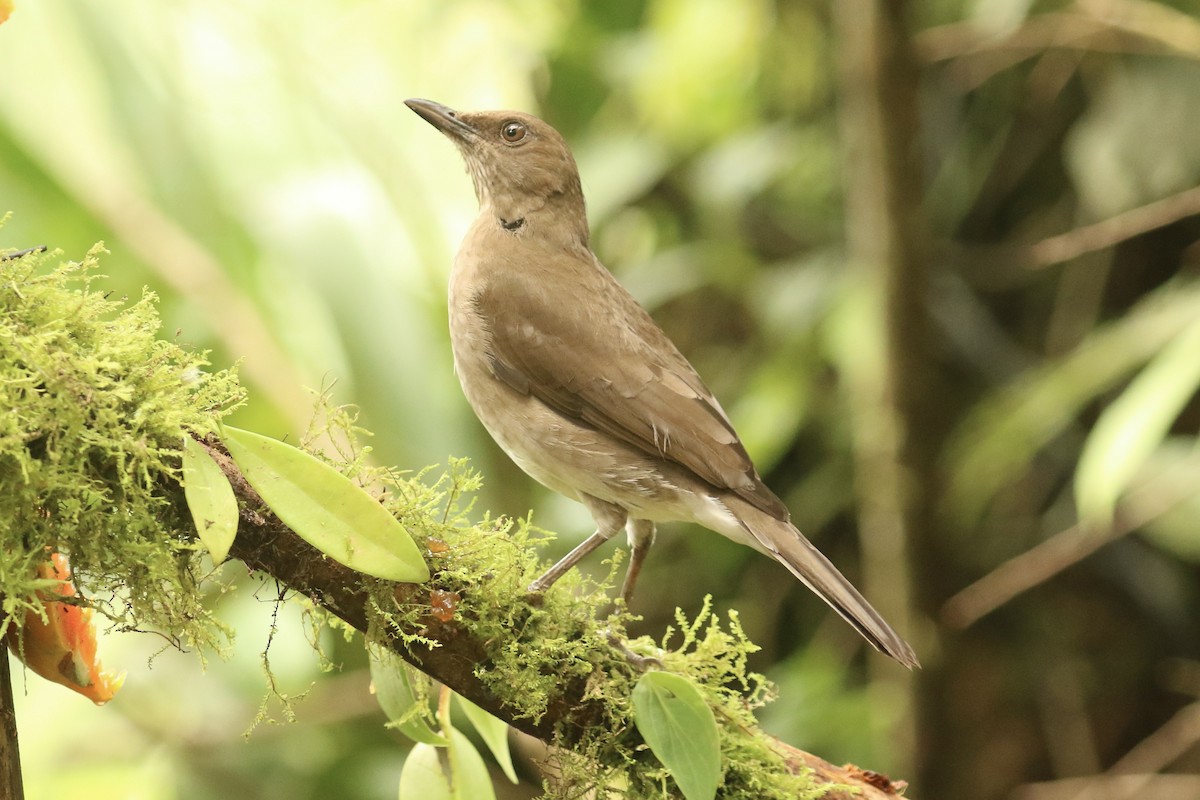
(601, 360)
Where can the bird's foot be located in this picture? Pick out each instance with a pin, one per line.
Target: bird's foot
(535, 593)
(638, 661)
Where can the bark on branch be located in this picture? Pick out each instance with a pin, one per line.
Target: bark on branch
(11, 786)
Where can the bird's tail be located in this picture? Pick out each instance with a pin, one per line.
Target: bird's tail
(783, 541)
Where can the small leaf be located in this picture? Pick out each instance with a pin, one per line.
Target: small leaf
(1130, 429)
(494, 733)
(326, 509)
(210, 499)
(422, 777)
(391, 679)
(469, 777)
(681, 731)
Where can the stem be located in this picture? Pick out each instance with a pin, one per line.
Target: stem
(11, 786)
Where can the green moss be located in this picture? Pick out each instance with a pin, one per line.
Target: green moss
(714, 656)
(93, 410)
(536, 650)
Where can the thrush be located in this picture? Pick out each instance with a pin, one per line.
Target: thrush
(582, 389)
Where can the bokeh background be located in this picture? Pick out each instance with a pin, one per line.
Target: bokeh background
(972, 377)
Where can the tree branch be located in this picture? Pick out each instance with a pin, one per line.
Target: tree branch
(1114, 230)
(11, 786)
(266, 544)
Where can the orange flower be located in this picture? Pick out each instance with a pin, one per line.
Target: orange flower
(5, 9)
(63, 648)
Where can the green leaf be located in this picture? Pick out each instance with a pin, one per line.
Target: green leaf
(1135, 424)
(326, 509)
(494, 733)
(391, 679)
(469, 776)
(422, 777)
(210, 499)
(681, 731)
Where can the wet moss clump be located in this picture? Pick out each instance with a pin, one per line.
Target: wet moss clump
(93, 410)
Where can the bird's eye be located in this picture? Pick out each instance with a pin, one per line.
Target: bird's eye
(513, 132)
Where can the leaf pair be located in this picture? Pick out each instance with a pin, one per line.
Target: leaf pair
(425, 774)
(323, 506)
(423, 777)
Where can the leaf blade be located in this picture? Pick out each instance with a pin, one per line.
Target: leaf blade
(680, 729)
(469, 776)
(392, 684)
(494, 733)
(422, 777)
(1135, 424)
(210, 500)
(326, 509)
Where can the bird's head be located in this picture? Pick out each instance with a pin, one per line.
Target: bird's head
(518, 162)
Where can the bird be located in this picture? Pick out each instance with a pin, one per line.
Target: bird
(579, 385)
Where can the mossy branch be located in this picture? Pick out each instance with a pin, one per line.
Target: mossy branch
(452, 654)
(97, 408)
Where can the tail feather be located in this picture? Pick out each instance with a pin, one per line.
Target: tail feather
(783, 541)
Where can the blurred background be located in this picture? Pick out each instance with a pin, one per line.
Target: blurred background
(938, 261)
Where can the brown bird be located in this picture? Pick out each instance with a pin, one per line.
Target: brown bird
(582, 389)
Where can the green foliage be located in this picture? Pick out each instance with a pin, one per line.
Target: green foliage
(567, 637)
(679, 728)
(712, 152)
(470, 777)
(325, 508)
(996, 441)
(494, 733)
(423, 775)
(96, 409)
(210, 500)
(405, 704)
(1134, 426)
(100, 412)
(713, 657)
(482, 570)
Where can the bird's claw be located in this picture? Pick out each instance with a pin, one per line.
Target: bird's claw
(638, 661)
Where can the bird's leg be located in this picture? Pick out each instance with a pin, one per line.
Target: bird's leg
(641, 535)
(569, 560)
(610, 519)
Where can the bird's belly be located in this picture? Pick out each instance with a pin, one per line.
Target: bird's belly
(566, 456)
